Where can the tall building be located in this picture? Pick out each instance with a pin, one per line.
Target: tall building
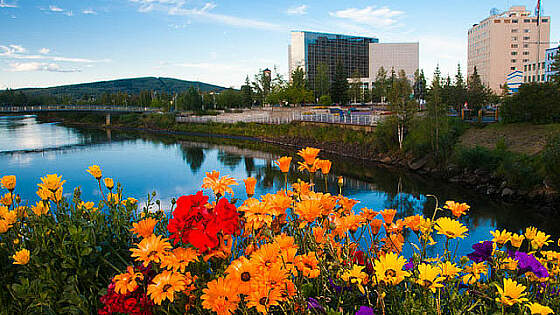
(551, 54)
(505, 42)
(365, 54)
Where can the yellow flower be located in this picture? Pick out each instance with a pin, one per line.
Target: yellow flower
(516, 240)
(250, 183)
(539, 240)
(130, 201)
(284, 164)
(95, 171)
(428, 277)
(530, 232)
(44, 194)
(4, 226)
(7, 199)
(113, 198)
(501, 238)
(449, 269)
(144, 228)
(309, 154)
(473, 272)
(509, 264)
(126, 282)
(355, 276)
(450, 228)
(388, 269)
(218, 185)
(512, 293)
(536, 308)
(8, 182)
(88, 205)
(109, 183)
(458, 209)
(40, 208)
(21, 257)
(51, 182)
(164, 286)
(153, 248)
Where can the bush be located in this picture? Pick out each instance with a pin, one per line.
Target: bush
(551, 160)
(477, 158)
(535, 102)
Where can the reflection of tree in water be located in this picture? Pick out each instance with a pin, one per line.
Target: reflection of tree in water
(229, 160)
(194, 157)
(249, 166)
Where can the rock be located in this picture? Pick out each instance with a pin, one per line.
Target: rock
(507, 192)
(455, 179)
(418, 164)
(386, 160)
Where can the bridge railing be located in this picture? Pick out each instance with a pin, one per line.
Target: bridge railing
(74, 108)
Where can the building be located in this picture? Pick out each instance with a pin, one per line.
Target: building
(504, 43)
(514, 81)
(363, 54)
(549, 59)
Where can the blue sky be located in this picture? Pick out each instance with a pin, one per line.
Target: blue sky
(46, 43)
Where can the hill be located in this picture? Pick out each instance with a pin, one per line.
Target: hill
(129, 86)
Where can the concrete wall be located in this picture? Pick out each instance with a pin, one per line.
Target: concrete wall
(398, 56)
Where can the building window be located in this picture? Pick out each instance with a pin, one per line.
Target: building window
(513, 60)
(514, 21)
(507, 21)
(542, 78)
(514, 30)
(526, 38)
(525, 45)
(514, 38)
(525, 68)
(514, 45)
(525, 53)
(526, 30)
(544, 20)
(525, 60)
(525, 79)
(514, 53)
(512, 68)
(534, 20)
(497, 21)
(533, 78)
(527, 21)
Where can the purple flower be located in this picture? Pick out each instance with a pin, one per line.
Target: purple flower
(409, 265)
(365, 310)
(314, 305)
(528, 262)
(482, 251)
(338, 289)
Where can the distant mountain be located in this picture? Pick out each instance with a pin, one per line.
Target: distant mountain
(130, 86)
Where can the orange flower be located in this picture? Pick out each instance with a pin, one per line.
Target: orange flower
(325, 166)
(221, 297)
(368, 214)
(21, 257)
(51, 182)
(347, 204)
(241, 272)
(414, 222)
(458, 209)
(301, 187)
(308, 210)
(218, 185)
(388, 215)
(375, 226)
(144, 228)
(40, 208)
(250, 183)
(179, 259)
(307, 264)
(95, 171)
(164, 286)
(309, 154)
(8, 182)
(126, 282)
(284, 163)
(153, 248)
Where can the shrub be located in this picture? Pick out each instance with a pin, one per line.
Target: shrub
(477, 158)
(535, 102)
(551, 160)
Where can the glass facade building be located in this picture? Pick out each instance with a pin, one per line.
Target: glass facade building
(310, 49)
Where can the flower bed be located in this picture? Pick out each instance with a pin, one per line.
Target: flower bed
(295, 251)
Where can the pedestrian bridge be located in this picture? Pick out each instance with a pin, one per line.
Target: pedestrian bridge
(103, 109)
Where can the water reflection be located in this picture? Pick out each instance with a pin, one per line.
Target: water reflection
(173, 167)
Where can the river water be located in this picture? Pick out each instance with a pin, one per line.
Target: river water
(173, 167)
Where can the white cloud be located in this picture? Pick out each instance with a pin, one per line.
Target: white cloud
(54, 8)
(370, 15)
(89, 11)
(38, 66)
(18, 52)
(44, 51)
(299, 10)
(3, 4)
(177, 7)
(18, 48)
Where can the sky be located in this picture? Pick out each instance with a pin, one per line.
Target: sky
(47, 43)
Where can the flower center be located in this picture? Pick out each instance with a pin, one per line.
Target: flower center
(245, 276)
(166, 287)
(263, 301)
(390, 273)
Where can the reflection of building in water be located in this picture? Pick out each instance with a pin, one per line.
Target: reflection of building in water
(231, 149)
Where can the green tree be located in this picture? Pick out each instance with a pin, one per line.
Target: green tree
(298, 78)
(555, 67)
(402, 105)
(436, 114)
(477, 93)
(339, 86)
(262, 86)
(325, 100)
(419, 85)
(379, 90)
(460, 90)
(247, 93)
(321, 83)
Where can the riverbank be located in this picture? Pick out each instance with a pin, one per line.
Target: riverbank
(346, 143)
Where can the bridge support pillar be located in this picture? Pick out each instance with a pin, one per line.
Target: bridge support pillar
(108, 119)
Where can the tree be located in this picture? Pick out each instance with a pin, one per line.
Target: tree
(262, 85)
(247, 93)
(325, 100)
(356, 87)
(298, 78)
(436, 110)
(419, 85)
(477, 93)
(402, 105)
(379, 90)
(555, 67)
(505, 89)
(321, 83)
(339, 87)
(460, 90)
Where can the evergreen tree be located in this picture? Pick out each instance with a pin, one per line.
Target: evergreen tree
(321, 83)
(477, 93)
(298, 78)
(339, 87)
(436, 110)
(419, 85)
(460, 91)
(555, 67)
(379, 90)
(356, 87)
(247, 93)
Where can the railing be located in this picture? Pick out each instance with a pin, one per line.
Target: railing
(73, 108)
(362, 120)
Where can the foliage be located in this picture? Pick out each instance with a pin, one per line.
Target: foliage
(555, 68)
(325, 100)
(321, 82)
(551, 159)
(402, 105)
(339, 85)
(477, 93)
(280, 253)
(535, 102)
(419, 139)
(380, 86)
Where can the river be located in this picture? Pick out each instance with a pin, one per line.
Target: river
(173, 166)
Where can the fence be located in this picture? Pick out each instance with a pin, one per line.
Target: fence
(74, 108)
(362, 120)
